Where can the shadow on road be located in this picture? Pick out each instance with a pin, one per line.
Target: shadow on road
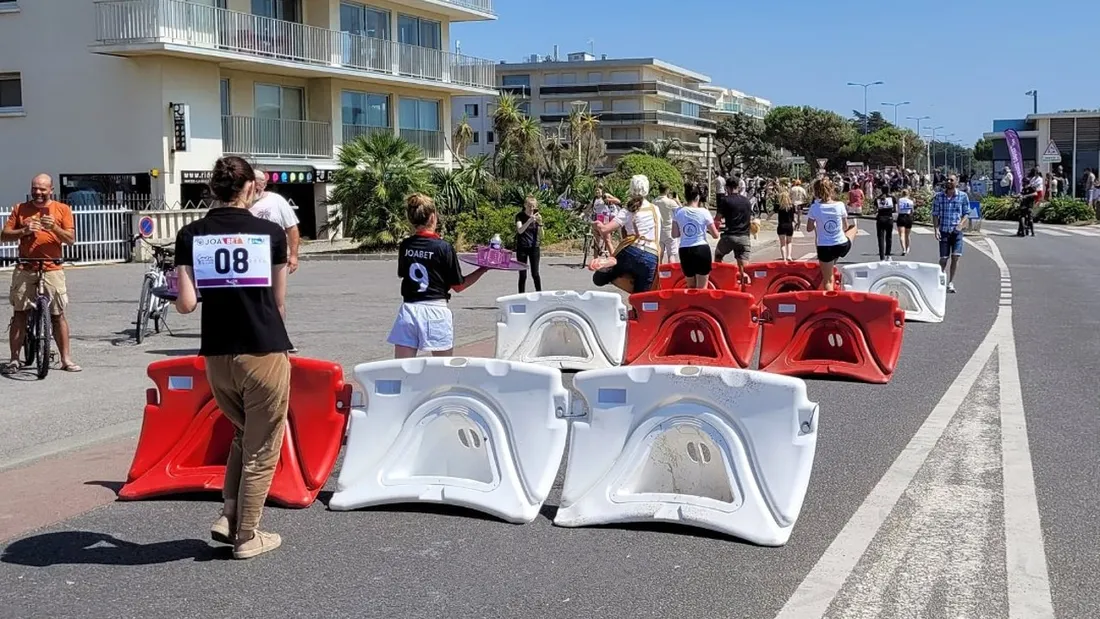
(90, 548)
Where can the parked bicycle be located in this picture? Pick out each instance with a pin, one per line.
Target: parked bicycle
(151, 306)
(37, 343)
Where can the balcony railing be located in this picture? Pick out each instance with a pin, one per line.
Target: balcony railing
(431, 142)
(641, 117)
(274, 137)
(179, 23)
(485, 6)
(354, 131)
(650, 88)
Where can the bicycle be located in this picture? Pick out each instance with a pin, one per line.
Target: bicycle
(150, 305)
(37, 348)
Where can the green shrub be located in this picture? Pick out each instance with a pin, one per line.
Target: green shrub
(478, 228)
(1065, 211)
(656, 169)
(1004, 208)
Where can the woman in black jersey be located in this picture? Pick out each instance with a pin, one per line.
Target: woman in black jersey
(238, 261)
(788, 219)
(528, 240)
(884, 224)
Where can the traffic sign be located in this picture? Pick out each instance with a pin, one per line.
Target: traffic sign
(796, 160)
(1052, 154)
(821, 163)
(146, 226)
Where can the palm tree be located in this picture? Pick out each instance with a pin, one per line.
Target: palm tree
(376, 173)
(661, 148)
(463, 136)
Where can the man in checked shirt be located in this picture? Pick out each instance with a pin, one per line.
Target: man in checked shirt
(949, 215)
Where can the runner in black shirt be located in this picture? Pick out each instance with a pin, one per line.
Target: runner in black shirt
(735, 210)
(238, 261)
(429, 271)
(528, 234)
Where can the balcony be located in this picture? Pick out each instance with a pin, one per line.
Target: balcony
(178, 28)
(274, 137)
(656, 117)
(457, 10)
(351, 132)
(656, 88)
(431, 142)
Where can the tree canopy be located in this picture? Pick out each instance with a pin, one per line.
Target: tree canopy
(807, 131)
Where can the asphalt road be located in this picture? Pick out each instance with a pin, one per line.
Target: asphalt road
(915, 507)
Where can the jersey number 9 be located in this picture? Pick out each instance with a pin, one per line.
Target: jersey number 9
(419, 274)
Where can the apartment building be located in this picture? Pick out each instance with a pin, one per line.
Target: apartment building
(730, 101)
(637, 100)
(142, 96)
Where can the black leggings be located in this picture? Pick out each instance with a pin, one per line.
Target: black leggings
(531, 258)
(885, 229)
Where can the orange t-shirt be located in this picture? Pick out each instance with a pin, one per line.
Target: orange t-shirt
(44, 243)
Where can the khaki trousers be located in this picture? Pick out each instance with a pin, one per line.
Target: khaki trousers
(253, 392)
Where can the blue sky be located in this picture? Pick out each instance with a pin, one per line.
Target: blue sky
(963, 66)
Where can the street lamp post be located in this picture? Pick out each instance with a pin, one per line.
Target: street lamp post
(865, 87)
(1034, 94)
(928, 150)
(896, 106)
(918, 119)
(946, 141)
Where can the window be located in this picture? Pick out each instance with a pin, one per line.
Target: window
(364, 20)
(286, 10)
(418, 31)
(11, 92)
(280, 102)
(516, 80)
(551, 79)
(419, 114)
(595, 106)
(471, 110)
(365, 109)
(525, 108)
(224, 95)
(568, 78)
(489, 137)
(625, 105)
(595, 78)
(552, 107)
(477, 137)
(625, 77)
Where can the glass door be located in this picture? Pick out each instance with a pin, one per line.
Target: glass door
(368, 30)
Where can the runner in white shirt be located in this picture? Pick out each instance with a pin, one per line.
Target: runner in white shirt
(905, 220)
(834, 235)
(274, 208)
(691, 224)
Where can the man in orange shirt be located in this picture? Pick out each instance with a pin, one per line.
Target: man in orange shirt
(41, 226)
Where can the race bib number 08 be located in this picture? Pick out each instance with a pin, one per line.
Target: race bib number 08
(232, 261)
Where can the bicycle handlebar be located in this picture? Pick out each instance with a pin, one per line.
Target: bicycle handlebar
(164, 250)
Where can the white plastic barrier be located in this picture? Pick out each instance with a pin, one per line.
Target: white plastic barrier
(919, 287)
(723, 449)
(478, 433)
(563, 329)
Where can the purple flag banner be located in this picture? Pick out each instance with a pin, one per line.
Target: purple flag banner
(1017, 158)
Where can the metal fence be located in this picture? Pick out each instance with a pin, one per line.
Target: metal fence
(103, 228)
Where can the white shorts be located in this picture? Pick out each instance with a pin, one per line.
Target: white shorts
(670, 246)
(427, 326)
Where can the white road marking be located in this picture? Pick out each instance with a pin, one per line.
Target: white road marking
(1049, 231)
(1028, 581)
(1081, 231)
(809, 256)
(922, 231)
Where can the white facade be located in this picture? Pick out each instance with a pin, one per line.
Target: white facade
(732, 101)
(95, 82)
(478, 112)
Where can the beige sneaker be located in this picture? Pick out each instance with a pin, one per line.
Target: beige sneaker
(220, 531)
(260, 543)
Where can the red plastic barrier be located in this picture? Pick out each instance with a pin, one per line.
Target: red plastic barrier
(185, 440)
(850, 334)
(779, 277)
(723, 276)
(691, 327)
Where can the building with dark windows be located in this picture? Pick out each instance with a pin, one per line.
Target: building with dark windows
(636, 100)
(1067, 139)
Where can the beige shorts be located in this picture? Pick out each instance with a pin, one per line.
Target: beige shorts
(24, 289)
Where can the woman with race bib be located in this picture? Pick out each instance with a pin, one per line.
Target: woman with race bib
(238, 262)
(691, 224)
(905, 220)
(635, 267)
(828, 218)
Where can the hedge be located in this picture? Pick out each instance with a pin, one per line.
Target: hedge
(477, 228)
(657, 170)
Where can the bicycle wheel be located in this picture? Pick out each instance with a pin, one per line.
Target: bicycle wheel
(145, 306)
(45, 328)
(30, 340)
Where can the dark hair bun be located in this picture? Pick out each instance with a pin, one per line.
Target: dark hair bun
(230, 176)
